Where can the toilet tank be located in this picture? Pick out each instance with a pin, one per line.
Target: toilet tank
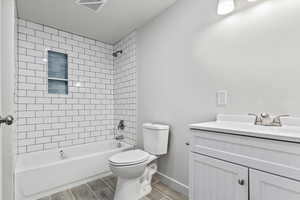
(156, 137)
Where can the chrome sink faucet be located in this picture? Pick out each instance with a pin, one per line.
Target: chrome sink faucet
(264, 119)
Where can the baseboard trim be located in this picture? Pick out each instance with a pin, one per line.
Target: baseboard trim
(174, 184)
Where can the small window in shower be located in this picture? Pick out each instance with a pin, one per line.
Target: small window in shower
(57, 73)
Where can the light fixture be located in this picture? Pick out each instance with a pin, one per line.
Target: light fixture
(225, 7)
(95, 5)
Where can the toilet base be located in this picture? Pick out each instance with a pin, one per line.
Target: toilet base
(127, 189)
(135, 189)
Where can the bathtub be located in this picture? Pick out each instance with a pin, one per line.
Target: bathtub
(41, 173)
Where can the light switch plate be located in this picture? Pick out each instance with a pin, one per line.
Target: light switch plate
(222, 97)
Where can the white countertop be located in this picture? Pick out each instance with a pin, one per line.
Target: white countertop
(244, 125)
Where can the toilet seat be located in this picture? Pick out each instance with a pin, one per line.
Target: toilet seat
(132, 157)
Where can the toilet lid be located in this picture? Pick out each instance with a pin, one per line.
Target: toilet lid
(129, 157)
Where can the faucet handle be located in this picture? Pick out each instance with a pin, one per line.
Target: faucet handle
(277, 119)
(258, 119)
(253, 114)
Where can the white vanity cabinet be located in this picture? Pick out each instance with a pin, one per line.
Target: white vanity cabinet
(233, 166)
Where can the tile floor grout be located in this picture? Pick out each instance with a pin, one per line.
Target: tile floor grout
(106, 187)
(92, 191)
(107, 184)
(70, 191)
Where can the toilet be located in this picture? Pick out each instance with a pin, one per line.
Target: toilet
(135, 168)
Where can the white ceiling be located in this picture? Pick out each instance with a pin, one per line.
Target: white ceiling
(117, 19)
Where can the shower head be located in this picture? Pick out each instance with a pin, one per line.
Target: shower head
(117, 53)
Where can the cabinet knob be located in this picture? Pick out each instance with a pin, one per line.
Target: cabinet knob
(187, 144)
(241, 182)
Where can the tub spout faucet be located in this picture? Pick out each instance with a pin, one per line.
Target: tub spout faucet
(120, 126)
(119, 137)
(62, 154)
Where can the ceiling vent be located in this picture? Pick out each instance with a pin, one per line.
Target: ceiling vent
(95, 5)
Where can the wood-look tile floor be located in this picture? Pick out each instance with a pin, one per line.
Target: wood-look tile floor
(103, 189)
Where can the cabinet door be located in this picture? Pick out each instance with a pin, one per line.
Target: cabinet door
(264, 186)
(213, 179)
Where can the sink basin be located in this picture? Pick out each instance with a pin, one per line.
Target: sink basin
(244, 125)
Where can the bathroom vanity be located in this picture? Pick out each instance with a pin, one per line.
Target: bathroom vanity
(234, 159)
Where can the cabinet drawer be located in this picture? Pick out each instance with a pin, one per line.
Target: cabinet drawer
(282, 158)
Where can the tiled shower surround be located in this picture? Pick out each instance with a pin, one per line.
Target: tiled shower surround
(96, 86)
(125, 86)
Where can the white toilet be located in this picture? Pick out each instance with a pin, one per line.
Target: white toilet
(135, 168)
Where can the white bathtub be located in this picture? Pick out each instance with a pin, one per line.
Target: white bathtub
(38, 174)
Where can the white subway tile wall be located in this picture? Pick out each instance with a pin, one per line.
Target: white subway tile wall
(86, 114)
(125, 86)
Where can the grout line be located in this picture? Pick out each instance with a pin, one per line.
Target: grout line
(108, 185)
(162, 193)
(157, 189)
(168, 196)
(92, 191)
(72, 195)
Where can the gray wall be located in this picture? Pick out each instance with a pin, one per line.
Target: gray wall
(188, 53)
